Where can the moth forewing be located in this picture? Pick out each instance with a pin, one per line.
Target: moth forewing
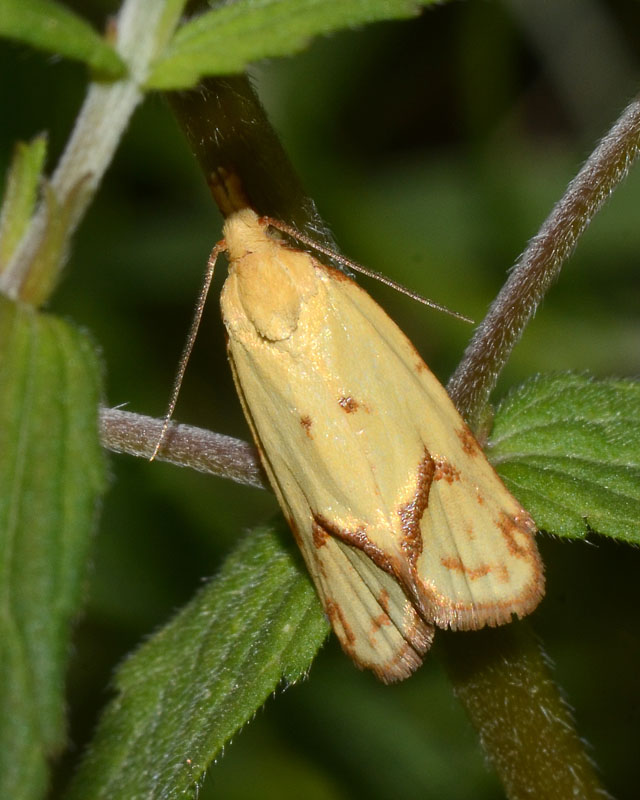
(446, 527)
(401, 520)
(375, 621)
(479, 563)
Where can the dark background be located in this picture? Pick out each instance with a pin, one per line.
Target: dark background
(434, 148)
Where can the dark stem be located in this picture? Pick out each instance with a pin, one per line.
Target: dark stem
(227, 128)
(505, 683)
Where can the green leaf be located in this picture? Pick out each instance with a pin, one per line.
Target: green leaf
(56, 29)
(568, 447)
(47, 261)
(198, 680)
(51, 471)
(226, 39)
(20, 194)
(42, 267)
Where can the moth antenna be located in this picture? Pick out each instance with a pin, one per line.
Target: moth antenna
(347, 262)
(188, 346)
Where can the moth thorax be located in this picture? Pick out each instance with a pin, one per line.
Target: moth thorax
(269, 296)
(243, 233)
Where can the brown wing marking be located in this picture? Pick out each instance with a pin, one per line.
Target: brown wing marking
(457, 565)
(358, 539)
(307, 423)
(411, 513)
(517, 532)
(319, 535)
(468, 441)
(445, 471)
(349, 404)
(375, 622)
(483, 578)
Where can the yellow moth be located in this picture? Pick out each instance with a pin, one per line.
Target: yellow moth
(401, 520)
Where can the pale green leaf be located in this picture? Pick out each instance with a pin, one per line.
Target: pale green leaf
(568, 447)
(46, 263)
(227, 38)
(51, 471)
(54, 28)
(198, 680)
(20, 194)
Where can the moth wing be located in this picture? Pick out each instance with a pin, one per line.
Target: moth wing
(478, 564)
(464, 547)
(360, 440)
(375, 622)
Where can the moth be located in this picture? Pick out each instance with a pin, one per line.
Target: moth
(401, 520)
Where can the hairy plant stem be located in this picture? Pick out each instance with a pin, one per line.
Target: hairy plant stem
(183, 446)
(540, 264)
(142, 28)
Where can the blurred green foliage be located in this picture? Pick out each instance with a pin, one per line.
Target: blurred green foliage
(435, 148)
